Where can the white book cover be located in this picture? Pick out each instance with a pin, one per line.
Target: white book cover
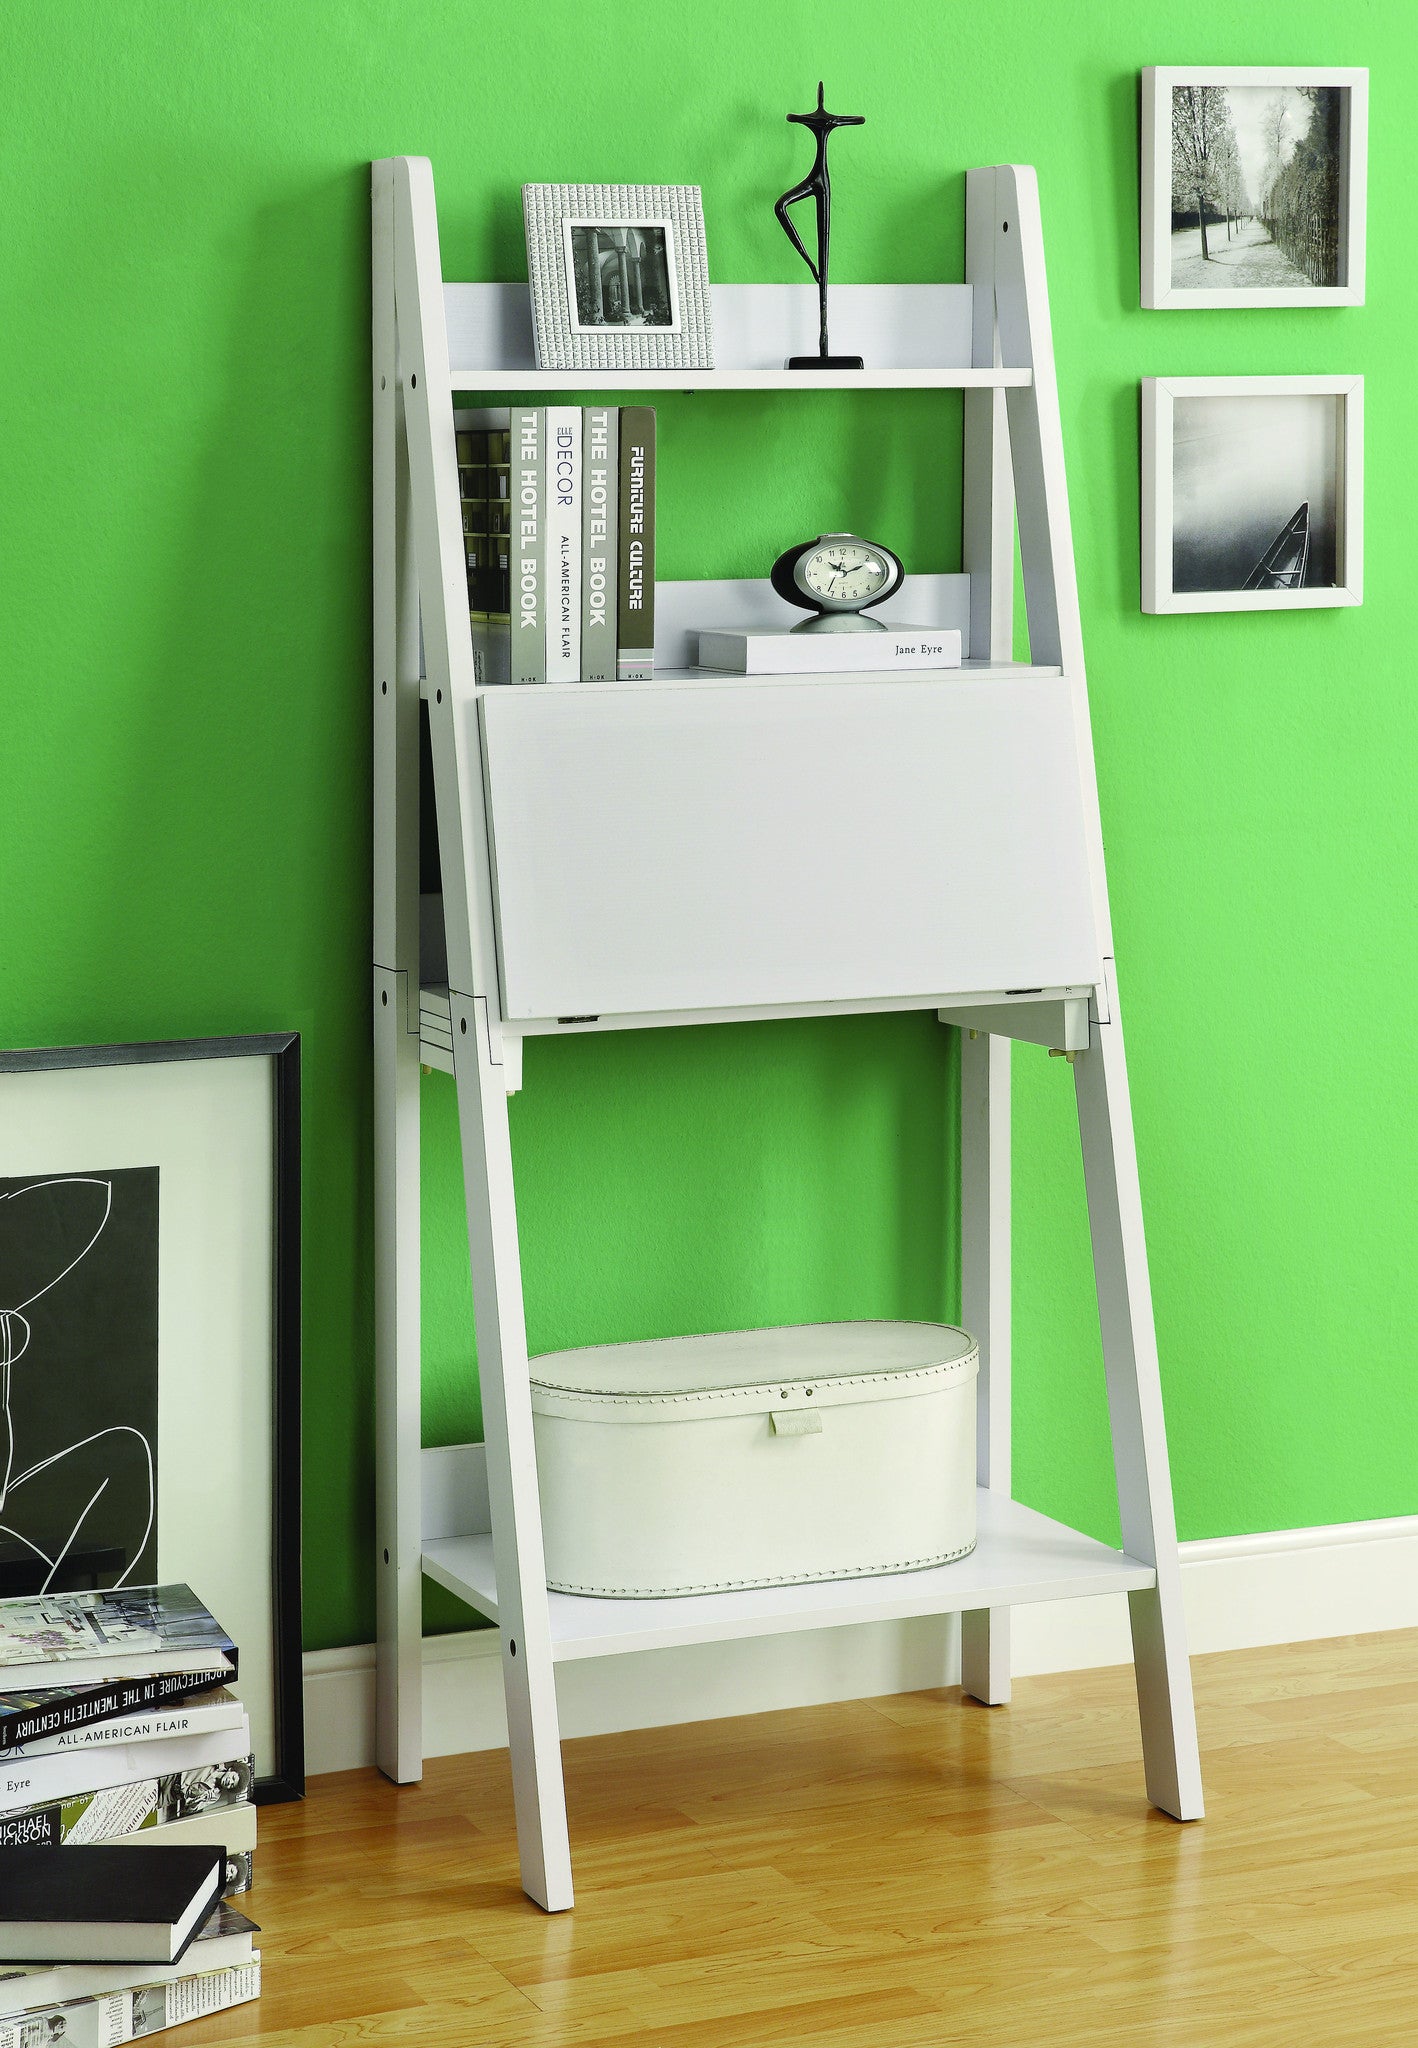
(787, 653)
(38, 1780)
(203, 1715)
(563, 543)
(233, 1827)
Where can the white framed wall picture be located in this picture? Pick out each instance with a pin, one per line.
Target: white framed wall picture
(1252, 493)
(1253, 186)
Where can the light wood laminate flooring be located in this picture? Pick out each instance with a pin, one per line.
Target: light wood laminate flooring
(909, 1870)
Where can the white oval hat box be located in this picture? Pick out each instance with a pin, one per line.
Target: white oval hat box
(755, 1458)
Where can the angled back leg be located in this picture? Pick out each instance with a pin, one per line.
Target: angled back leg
(985, 1310)
(398, 1562)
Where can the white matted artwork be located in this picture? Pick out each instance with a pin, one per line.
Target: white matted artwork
(149, 1335)
(1253, 186)
(1252, 493)
(619, 277)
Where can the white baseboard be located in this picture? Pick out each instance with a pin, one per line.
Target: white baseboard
(1241, 1592)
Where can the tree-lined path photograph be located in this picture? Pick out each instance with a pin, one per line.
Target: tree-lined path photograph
(1256, 187)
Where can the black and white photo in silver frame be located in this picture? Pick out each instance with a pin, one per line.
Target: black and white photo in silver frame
(619, 276)
(150, 1342)
(622, 275)
(1253, 186)
(1252, 493)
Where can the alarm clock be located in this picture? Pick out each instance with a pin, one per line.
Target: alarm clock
(839, 576)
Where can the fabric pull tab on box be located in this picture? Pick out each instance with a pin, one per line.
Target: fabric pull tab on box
(797, 1422)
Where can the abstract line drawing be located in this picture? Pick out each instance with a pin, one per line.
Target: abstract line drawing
(83, 1206)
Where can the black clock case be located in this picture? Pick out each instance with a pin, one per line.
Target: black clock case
(781, 574)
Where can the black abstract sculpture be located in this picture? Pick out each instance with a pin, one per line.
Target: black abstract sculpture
(818, 187)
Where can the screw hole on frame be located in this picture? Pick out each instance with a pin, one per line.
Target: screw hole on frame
(512, 1647)
(463, 1026)
(383, 384)
(386, 1557)
(439, 695)
(1006, 227)
(384, 997)
(383, 689)
(414, 380)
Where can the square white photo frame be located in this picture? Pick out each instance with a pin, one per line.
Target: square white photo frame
(1242, 135)
(1219, 531)
(619, 277)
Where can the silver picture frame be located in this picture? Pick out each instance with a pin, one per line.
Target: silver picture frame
(619, 277)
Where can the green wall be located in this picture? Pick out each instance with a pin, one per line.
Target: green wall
(183, 837)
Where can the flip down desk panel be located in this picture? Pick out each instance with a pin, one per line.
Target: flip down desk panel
(695, 846)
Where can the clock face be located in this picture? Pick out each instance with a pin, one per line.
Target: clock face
(843, 573)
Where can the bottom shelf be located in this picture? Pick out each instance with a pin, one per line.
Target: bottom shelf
(1020, 1556)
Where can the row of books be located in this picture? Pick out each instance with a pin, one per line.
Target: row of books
(127, 1825)
(559, 534)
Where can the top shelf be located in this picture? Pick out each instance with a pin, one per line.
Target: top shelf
(911, 337)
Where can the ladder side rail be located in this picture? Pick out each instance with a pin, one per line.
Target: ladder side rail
(987, 528)
(398, 1537)
(1157, 1613)
(987, 522)
(1100, 1074)
(1041, 484)
(524, 1620)
(427, 393)
(523, 1613)
(985, 1310)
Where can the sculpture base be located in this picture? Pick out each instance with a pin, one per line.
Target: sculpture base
(825, 363)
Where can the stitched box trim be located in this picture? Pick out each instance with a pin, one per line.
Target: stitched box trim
(865, 1571)
(767, 1391)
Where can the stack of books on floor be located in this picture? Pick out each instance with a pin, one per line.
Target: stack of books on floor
(559, 534)
(126, 1818)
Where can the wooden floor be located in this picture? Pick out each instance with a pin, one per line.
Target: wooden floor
(906, 1870)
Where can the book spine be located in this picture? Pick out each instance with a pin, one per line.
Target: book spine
(528, 552)
(635, 629)
(563, 497)
(19, 1725)
(28, 1783)
(600, 429)
(790, 654)
(115, 2017)
(111, 1811)
(152, 1727)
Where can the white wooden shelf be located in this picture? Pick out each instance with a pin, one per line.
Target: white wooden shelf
(911, 337)
(723, 679)
(472, 378)
(1021, 1556)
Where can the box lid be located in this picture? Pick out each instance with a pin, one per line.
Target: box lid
(830, 1363)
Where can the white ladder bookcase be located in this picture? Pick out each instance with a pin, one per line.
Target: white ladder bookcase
(696, 848)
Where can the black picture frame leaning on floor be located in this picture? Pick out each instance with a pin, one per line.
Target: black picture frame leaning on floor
(282, 1776)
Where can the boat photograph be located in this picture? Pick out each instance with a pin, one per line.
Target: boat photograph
(1241, 465)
